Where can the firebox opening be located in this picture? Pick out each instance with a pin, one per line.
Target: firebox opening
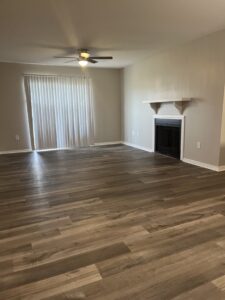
(168, 137)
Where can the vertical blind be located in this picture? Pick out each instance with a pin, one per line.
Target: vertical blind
(62, 112)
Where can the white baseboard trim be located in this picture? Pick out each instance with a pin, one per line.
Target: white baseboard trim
(201, 164)
(221, 168)
(15, 151)
(51, 149)
(108, 143)
(186, 160)
(148, 149)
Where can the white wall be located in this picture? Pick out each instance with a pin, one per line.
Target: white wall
(195, 70)
(13, 114)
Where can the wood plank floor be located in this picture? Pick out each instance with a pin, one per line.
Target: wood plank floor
(110, 223)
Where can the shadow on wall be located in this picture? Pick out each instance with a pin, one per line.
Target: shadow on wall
(193, 102)
(222, 155)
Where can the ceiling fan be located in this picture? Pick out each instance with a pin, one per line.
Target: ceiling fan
(84, 57)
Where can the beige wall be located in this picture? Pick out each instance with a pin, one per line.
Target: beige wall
(13, 114)
(222, 138)
(195, 70)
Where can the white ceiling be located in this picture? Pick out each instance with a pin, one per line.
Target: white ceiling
(35, 31)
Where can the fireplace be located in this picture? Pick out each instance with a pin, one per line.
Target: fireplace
(168, 137)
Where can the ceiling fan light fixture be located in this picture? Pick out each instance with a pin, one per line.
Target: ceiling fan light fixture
(84, 57)
(84, 54)
(83, 62)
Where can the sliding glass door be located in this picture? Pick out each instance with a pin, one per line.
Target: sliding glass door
(62, 112)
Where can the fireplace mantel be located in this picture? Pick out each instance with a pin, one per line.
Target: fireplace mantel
(178, 103)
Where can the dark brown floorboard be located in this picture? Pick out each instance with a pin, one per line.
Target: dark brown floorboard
(110, 223)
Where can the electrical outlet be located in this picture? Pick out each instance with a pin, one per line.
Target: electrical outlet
(17, 138)
(198, 145)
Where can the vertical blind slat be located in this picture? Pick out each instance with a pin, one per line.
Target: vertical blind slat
(62, 111)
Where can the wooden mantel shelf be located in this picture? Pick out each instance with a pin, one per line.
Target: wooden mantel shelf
(178, 103)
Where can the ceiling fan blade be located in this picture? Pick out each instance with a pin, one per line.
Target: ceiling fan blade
(68, 61)
(101, 57)
(65, 57)
(91, 60)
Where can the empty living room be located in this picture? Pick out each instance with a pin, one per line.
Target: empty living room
(112, 149)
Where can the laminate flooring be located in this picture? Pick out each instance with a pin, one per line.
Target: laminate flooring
(110, 223)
